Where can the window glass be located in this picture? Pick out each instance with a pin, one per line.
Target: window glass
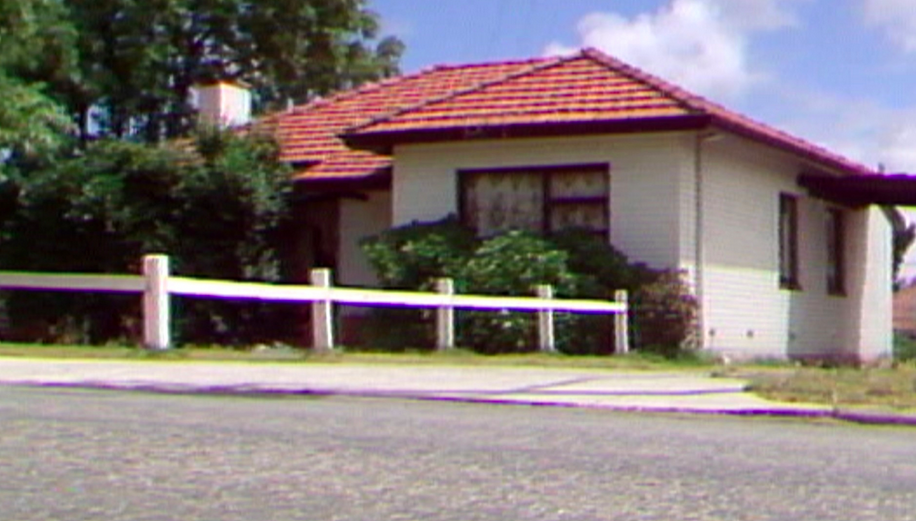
(835, 248)
(535, 198)
(788, 242)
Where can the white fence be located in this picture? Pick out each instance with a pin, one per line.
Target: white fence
(157, 285)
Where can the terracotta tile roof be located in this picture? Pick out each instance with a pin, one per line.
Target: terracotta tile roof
(308, 134)
(586, 88)
(576, 89)
(586, 92)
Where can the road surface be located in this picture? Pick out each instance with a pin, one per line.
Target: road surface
(95, 455)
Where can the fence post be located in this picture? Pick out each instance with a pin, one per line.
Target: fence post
(622, 324)
(322, 312)
(545, 321)
(445, 317)
(156, 318)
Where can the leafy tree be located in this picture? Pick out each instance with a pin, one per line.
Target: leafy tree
(37, 53)
(904, 234)
(216, 205)
(139, 58)
(30, 121)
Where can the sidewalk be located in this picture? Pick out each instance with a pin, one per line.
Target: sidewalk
(693, 392)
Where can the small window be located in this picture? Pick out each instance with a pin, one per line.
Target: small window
(542, 199)
(788, 242)
(836, 268)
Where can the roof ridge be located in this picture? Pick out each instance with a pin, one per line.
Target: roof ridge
(514, 61)
(343, 95)
(537, 65)
(359, 90)
(682, 96)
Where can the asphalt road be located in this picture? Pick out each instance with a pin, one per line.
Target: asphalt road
(84, 455)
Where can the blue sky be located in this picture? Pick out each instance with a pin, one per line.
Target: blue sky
(841, 73)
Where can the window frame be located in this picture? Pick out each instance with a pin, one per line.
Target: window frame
(788, 234)
(549, 202)
(835, 228)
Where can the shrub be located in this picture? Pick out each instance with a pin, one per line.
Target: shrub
(412, 256)
(904, 347)
(513, 263)
(576, 262)
(604, 267)
(664, 315)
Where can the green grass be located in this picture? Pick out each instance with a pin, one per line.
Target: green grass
(885, 387)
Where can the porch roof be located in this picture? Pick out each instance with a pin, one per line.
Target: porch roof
(862, 190)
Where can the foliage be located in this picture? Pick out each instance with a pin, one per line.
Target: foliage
(513, 263)
(904, 347)
(594, 257)
(904, 234)
(217, 207)
(30, 122)
(412, 256)
(37, 52)
(130, 64)
(576, 263)
(665, 314)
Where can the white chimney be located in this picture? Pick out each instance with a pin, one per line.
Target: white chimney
(222, 104)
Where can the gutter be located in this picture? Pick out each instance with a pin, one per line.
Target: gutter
(701, 137)
(699, 253)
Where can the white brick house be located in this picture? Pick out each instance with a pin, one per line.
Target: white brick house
(672, 179)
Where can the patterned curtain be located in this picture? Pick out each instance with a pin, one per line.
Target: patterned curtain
(579, 199)
(498, 202)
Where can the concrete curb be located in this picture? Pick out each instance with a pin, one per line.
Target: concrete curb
(873, 417)
(852, 416)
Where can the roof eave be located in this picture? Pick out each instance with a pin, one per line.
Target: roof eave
(378, 179)
(383, 142)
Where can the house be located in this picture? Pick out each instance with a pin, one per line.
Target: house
(780, 239)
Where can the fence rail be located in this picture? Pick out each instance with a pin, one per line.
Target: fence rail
(156, 285)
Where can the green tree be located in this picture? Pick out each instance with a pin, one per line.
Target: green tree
(37, 55)
(139, 58)
(904, 234)
(216, 204)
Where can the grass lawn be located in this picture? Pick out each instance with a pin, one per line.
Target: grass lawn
(890, 387)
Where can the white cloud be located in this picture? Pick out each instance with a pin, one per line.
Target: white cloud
(862, 129)
(897, 145)
(700, 44)
(896, 17)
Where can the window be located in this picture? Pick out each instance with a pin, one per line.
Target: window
(788, 242)
(541, 199)
(836, 277)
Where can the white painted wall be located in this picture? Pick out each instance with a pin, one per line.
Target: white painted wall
(871, 323)
(746, 313)
(644, 174)
(654, 204)
(360, 219)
